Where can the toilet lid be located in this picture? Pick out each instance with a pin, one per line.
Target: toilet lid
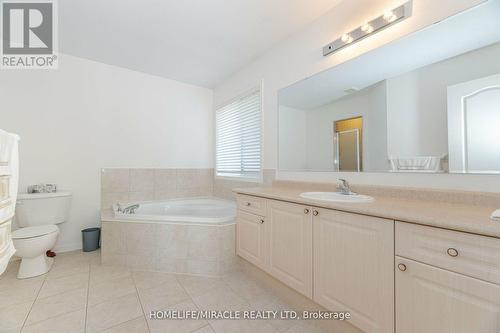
(32, 232)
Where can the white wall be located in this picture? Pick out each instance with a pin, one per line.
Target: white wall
(86, 116)
(300, 56)
(417, 101)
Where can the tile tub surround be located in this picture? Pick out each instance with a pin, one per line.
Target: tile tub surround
(200, 250)
(81, 295)
(454, 210)
(126, 185)
(173, 248)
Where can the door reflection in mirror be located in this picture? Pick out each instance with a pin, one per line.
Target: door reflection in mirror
(474, 126)
(348, 144)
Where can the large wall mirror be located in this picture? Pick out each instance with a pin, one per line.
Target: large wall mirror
(429, 102)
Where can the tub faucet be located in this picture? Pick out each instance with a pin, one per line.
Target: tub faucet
(344, 187)
(130, 209)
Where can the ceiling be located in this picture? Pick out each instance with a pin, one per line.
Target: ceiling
(200, 42)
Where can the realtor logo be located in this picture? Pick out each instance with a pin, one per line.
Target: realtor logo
(29, 34)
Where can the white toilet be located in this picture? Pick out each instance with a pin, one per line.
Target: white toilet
(37, 216)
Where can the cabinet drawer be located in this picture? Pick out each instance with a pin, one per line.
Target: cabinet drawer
(468, 254)
(251, 204)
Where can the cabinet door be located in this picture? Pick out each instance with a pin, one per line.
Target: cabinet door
(354, 268)
(250, 238)
(433, 300)
(290, 245)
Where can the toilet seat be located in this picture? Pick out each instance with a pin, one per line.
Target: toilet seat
(33, 232)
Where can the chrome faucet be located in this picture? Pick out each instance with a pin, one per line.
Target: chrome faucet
(344, 187)
(130, 209)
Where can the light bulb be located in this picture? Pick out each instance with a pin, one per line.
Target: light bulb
(389, 16)
(367, 28)
(346, 38)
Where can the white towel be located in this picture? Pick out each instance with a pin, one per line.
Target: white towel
(496, 215)
(415, 163)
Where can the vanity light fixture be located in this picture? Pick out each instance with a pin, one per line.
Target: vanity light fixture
(346, 38)
(390, 17)
(387, 19)
(367, 28)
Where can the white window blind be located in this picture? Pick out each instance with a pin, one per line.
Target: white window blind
(238, 138)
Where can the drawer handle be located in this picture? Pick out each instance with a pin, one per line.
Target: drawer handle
(402, 267)
(261, 221)
(306, 211)
(315, 213)
(452, 252)
(248, 204)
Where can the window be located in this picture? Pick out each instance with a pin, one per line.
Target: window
(238, 138)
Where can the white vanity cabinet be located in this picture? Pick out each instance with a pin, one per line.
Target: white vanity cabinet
(353, 267)
(390, 276)
(251, 238)
(343, 261)
(289, 233)
(276, 236)
(434, 300)
(446, 281)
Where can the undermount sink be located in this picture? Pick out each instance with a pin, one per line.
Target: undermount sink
(337, 197)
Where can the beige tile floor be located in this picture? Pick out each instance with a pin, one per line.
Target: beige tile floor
(81, 295)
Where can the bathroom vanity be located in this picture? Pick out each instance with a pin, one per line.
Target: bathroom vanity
(396, 264)
(411, 261)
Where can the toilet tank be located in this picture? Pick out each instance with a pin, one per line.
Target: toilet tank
(35, 209)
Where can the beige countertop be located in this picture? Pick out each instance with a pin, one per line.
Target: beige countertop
(455, 216)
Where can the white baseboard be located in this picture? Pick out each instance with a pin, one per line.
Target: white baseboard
(60, 248)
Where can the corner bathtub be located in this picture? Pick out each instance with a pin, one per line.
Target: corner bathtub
(199, 211)
(186, 236)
